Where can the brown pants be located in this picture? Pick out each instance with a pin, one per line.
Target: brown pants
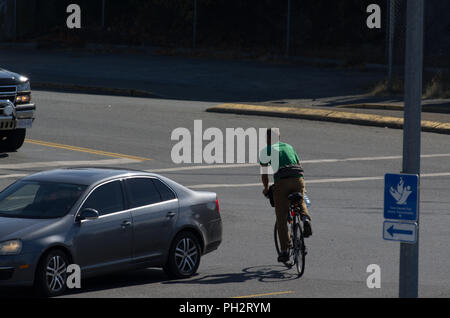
(282, 188)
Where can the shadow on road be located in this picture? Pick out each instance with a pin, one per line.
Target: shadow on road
(113, 281)
(265, 273)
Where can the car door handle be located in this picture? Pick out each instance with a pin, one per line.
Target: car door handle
(171, 214)
(125, 224)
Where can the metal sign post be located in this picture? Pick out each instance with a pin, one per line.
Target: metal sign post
(409, 252)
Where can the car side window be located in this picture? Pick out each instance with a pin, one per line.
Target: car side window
(106, 199)
(141, 192)
(164, 191)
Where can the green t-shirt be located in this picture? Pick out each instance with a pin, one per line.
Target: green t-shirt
(287, 156)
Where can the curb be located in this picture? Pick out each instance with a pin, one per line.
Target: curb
(58, 87)
(425, 107)
(373, 106)
(327, 115)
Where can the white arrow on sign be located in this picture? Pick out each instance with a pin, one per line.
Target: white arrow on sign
(400, 231)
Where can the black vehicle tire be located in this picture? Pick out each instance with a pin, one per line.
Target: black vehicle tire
(14, 139)
(299, 249)
(184, 256)
(51, 274)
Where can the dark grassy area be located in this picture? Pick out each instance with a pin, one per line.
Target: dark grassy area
(435, 85)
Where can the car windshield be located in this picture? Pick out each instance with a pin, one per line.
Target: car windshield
(39, 200)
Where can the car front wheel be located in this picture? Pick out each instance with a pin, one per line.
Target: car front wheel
(51, 274)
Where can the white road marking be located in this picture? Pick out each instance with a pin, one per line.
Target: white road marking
(437, 174)
(335, 180)
(312, 161)
(10, 176)
(206, 166)
(27, 165)
(223, 185)
(18, 166)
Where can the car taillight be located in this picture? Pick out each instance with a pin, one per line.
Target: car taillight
(217, 205)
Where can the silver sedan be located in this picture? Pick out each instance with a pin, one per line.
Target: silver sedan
(102, 220)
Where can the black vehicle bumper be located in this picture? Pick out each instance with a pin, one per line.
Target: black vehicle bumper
(23, 117)
(17, 270)
(214, 237)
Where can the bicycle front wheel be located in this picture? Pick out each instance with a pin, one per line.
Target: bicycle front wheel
(299, 249)
(276, 239)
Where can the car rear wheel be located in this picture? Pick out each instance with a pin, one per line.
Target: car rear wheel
(51, 274)
(184, 256)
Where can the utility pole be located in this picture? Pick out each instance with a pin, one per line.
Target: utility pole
(391, 30)
(194, 25)
(409, 252)
(103, 14)
(288, 27)
(15, 20)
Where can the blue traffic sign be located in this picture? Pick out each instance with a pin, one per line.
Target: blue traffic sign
(400, 231)
(401, 196)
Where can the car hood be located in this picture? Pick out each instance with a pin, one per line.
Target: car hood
(18, 228)
(9, 78)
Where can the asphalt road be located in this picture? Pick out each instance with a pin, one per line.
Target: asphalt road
(346, 194)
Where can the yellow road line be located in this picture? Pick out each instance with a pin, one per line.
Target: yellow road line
(82, 149)
(266, 294)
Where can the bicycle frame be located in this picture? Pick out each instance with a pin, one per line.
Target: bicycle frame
(298, 250)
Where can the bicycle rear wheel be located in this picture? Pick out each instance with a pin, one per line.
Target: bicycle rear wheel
(299, 250)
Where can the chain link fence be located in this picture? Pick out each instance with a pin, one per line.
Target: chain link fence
(307, 28)
(436, 33)
(436, 49)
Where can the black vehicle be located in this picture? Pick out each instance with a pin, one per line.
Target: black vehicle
(16, 110)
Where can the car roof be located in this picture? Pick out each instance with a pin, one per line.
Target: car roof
(82, 176)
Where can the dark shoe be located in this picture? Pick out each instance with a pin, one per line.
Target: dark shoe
(289, 263)
(307, 230)
(283, 257)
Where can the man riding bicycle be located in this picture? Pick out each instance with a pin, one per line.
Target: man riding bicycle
(288, 178)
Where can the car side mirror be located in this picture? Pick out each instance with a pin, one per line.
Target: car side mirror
(87, 214)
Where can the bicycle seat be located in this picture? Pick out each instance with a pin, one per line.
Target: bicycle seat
(295, 197)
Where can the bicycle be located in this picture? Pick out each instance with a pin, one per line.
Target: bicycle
(297, 252)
